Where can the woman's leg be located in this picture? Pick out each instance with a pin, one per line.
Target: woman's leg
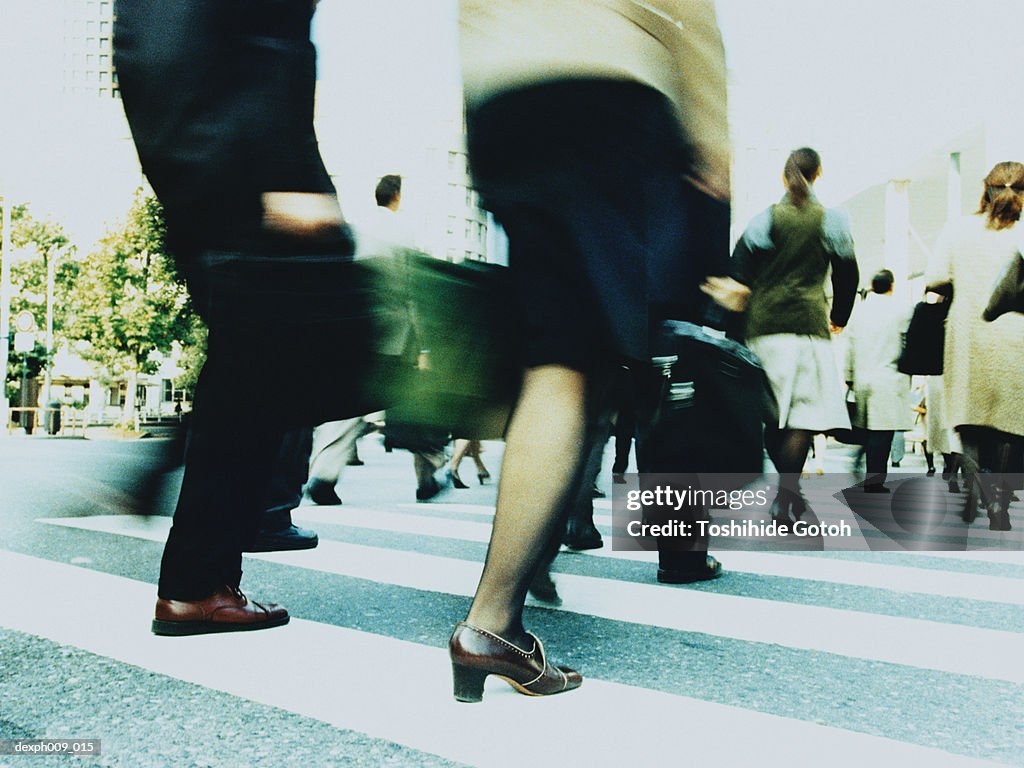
(542, 451)
(787, 448)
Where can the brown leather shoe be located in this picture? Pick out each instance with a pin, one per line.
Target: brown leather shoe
(477, 653)
(226, 610)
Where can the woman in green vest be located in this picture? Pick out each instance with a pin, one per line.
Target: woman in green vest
(784, 256)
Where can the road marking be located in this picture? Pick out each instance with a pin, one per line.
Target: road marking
(896, 578)
(400, 691)
(891, 639)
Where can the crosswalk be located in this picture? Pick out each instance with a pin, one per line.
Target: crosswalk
(795, 659)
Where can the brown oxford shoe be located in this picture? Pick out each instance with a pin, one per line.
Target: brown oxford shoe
(226, 610)
(477, 653)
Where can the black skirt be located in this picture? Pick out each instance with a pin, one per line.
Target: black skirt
(606, 238)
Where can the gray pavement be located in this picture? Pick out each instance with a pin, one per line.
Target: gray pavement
(698, 649)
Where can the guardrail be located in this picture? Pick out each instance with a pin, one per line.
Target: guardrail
(71, 420)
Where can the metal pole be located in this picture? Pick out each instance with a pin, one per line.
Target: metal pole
(5, 307)
(24, 391)
(50, 280)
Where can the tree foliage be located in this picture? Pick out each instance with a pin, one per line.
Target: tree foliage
(127, 302)
(35, 244)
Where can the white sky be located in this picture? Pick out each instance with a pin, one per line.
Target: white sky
(873, 84)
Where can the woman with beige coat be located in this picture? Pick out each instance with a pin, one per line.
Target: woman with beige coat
(983, 364)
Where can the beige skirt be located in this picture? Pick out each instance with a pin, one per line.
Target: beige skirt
(805, 379)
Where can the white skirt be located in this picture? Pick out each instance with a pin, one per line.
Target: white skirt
(804, 377)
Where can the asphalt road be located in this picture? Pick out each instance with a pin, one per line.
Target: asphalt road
(792, 658)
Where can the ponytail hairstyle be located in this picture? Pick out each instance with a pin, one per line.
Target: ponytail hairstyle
(1003, 198)
(802, 167)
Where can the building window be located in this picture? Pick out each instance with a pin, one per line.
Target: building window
(468, 231)
(451, 225)
(168, 386)
(453, 158)
(469, 198)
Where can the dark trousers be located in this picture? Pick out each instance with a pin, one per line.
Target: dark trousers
(287, 477)
(877, 445)
(270, 323)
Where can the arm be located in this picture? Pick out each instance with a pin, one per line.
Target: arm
(838, 241)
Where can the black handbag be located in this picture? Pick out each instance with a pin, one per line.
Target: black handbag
(707, 400)
(1008, 295)
(925, 340)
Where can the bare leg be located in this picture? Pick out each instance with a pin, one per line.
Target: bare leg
(458, 453)
(542, 451)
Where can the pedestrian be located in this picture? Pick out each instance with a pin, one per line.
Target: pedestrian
(784, 257)
(584, 119)
(882, 395)
(219, 99)
(983, 363)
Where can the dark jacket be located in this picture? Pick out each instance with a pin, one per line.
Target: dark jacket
(784, 256)
(219, 97)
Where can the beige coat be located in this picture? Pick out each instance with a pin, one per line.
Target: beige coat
(983, 368)
(672, 45)
(874, 340)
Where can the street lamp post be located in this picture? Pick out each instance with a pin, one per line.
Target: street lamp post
(5, 307)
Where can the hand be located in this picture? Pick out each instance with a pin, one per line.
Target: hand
(302, 214)
(726, 292)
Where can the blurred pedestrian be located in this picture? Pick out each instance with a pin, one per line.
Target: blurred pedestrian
(219, 99)
(983, 363)
(784, 257)
(583, 120)
(882, 394)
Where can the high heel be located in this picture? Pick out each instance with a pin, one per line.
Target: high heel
(483, 477)
(453, 475)
(477, 653)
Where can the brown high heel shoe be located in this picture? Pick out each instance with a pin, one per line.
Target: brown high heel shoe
(477, 653)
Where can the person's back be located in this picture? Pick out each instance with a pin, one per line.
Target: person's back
(788, 288)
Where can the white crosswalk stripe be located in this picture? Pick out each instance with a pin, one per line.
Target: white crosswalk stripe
(348, 667)
(399, 691)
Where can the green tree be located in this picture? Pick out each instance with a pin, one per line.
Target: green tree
(127, 303)
(38, 246)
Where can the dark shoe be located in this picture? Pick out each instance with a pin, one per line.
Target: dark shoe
(954, 486)
(226, 610)
(430, 490)
(876, 488)
(597, 493)
(931, 472)
(477, 653)
(780, 516)
(998, 520)
(483, 477)
(321, 492)
(543, 588)
(712, 570)
(356, 462)
(581, 537)
(456, 481)
(284, 540)
(896, 464)
(619, 478)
